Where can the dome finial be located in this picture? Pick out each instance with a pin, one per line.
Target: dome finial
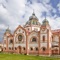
(8, 26)
(8, 30)
(33, 12)
(45, 15)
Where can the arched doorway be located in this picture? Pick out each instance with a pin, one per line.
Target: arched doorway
(19, 49)
(1, 49)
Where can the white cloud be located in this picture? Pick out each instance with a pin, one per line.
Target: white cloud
(2, 26)
(15, 9)
(58, 5)
(45, 1)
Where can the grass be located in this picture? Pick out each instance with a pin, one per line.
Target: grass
(25, 57)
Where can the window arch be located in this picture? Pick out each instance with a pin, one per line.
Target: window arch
(43, 38)
(34, 39)
(33, 22)
(9, 48)
(36, 48)
(20, 38)
(15, 48)
(23, 48)
(31, 48)
(11, 41)
(43, 48)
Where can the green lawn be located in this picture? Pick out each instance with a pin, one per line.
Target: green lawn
(24, 57)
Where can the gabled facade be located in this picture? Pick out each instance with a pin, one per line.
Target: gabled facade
(32, 38)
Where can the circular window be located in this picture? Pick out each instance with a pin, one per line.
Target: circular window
(20, 38)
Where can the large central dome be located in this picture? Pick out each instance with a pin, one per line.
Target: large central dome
(33, 17)
(33, 20)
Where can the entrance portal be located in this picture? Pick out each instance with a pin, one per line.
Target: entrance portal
(19, 49)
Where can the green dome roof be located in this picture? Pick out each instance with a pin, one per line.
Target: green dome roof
(33, 17)
(45, 22)
(8, 30)
(33, 20)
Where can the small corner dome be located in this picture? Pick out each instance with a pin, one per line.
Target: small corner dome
(45, 21)
(8, 30)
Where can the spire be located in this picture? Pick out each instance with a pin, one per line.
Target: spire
(8, 27)
(45, 21)
(8, 30)
(33, 12)
(45, 15)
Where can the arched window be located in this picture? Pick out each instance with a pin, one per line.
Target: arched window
(36, 48)
(34, 39)
(5, 48)
(31, 48)
(43, 48)
(11, 41)
(43, 38)
(33, 22)
(20, 38)
(23, 48)
(15, 48)
(9, 48)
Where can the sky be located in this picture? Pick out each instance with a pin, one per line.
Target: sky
(17, 12)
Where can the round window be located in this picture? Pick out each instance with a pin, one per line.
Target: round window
(20, 37)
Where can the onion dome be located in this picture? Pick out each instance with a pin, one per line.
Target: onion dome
(8, 30)
(33, 20)
(33, 17)
(45, 22)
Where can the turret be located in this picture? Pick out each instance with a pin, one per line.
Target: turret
(7, 32)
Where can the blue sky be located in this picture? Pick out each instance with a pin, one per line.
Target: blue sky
(17, 12)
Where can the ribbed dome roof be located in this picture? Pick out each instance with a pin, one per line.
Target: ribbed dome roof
(33, 20)
(8, 30)
(45, 22)
(33, 17)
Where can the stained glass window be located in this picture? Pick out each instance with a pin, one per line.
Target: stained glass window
(20, 37)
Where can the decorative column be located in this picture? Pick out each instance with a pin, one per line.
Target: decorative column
(7, 44)
(39, 44)
(48, 51)
(59, 44)
(27, 50)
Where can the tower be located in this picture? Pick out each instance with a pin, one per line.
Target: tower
(7, 41)
(45, 38)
